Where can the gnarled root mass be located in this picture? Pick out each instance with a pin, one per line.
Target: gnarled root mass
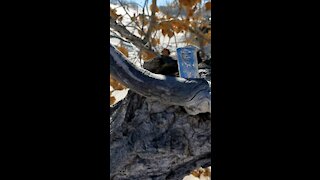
(153, 141)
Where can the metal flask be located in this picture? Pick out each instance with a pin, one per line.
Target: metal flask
(187, 62)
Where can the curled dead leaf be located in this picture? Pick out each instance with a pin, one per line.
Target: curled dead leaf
(207, 6)
(123, 50)
(116, 85)
(113, 14)
(154, 6)
(170, 34)
(155, 41)
(112, 99)
(146, 55)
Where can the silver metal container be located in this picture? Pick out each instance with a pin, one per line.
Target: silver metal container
(187, 62)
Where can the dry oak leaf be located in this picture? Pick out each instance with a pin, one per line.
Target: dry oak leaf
(146, 55)
(188, 3)
(112, 99)
(113, 14)
(207, 6)
(156, 7)
(123, 50)
(116, 85)
(155, 41)
(170, 34)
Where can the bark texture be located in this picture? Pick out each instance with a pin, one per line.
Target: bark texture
(162, 129)
(153, 141)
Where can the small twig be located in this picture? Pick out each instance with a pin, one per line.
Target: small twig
(175, 40)
(198, 34)
(152, 21)
(127, 13)
(130, 36)
(113, 36)
(168, 42)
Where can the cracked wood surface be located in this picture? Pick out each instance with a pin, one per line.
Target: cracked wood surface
(153, 141)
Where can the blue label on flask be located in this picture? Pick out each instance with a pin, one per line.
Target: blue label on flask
(187, 62)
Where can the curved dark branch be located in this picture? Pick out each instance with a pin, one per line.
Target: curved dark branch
(193, 94)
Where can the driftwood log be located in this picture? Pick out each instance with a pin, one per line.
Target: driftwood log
(162, 129)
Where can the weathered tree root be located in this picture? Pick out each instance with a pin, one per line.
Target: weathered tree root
(154, 141)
